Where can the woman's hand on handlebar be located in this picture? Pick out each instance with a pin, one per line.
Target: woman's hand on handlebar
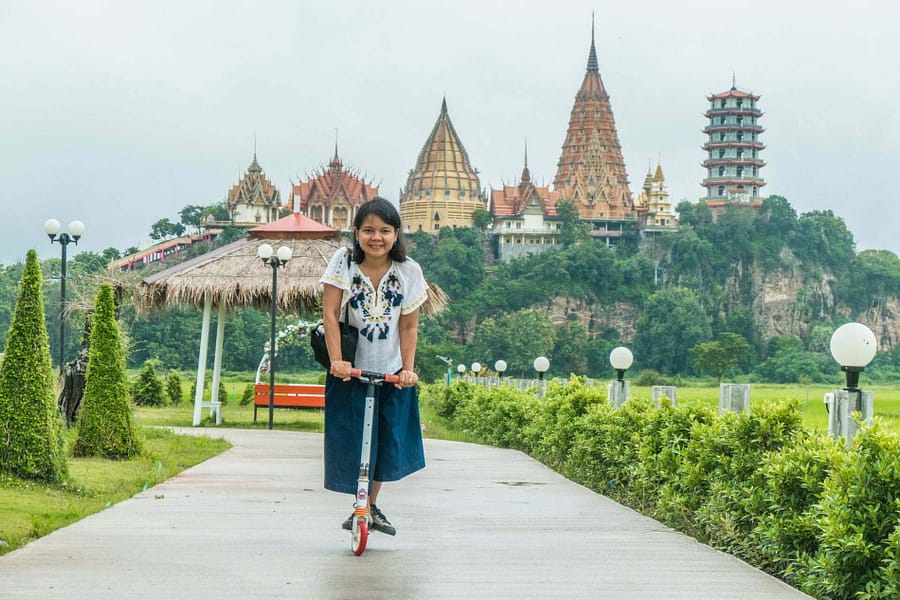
(341, 369)
(408, 378)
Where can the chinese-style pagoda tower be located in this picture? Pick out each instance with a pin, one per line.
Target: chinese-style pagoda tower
(732, 161)
(333, 195)
(443, 189)
(253, 200)
(591, 170)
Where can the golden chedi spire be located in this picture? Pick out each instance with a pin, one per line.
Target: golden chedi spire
(442, 190)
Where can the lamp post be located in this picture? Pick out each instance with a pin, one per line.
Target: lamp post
(476, 368)
(461, 369)
(500, 367)
(853, 346)
(541, 365)
(278, 260)
(449, 363)
(51, 228)
(620, 358)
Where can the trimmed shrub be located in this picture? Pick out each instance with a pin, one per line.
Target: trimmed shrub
(857, 518)
(247, 394)
(173, 388)
(31, 426)
(105, 425)
(148, 388)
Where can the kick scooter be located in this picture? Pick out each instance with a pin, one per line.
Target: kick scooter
(360, 527)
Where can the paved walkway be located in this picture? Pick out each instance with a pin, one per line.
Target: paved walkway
(479, 522)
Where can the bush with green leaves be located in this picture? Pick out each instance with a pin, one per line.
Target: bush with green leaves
(800, 505)
(30, 422)
(148, 390)
(857, 518)
(247, 395)
(105, 424)
(173, 388)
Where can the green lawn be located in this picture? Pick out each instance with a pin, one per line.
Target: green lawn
(887, 400)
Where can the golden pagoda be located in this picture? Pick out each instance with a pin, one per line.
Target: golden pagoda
(655, 208)
(591, 170)
(443, 189)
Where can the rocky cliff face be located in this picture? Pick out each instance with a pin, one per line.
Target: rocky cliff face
(784, 303)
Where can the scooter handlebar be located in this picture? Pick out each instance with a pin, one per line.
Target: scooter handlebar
(388, 377)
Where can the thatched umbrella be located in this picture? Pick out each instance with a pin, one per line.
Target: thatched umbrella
(234, 276)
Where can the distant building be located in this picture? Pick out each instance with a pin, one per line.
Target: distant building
(654, 198)
(591, 170)
(524, 217)
(443, 189)
(253, 200)
(332, 195)
(732, 151)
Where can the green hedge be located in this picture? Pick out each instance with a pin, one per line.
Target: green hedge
(820, 515)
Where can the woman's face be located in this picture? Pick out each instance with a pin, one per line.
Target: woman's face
(376, 238)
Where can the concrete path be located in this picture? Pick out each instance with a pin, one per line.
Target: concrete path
(479, 522)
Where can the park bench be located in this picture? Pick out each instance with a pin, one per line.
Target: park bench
(289, 395)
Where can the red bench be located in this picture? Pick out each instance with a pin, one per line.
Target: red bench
(289, 395)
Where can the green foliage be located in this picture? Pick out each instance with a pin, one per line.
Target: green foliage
(572, 229)
(720, 356)
(788, 362)
(673, 321)
(857, 518)
(105, 424)
(518, 338)
(148, 388)
(247, 395)
(801, 506)
(30, 422)
(173, 388)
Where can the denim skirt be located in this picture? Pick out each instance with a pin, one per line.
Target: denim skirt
(396, 433)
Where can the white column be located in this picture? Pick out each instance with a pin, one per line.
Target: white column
(217, 361)
(201, 361)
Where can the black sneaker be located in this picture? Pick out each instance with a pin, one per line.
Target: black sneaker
(379, 522)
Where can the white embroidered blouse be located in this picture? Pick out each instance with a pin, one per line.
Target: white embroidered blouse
(377, 312)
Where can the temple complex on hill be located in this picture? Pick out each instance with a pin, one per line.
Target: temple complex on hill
(732, 150)
(443, 189)
(332, 195)
(253, 199)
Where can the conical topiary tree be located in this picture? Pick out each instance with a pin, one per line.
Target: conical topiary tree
(148, 389)
(30, 423)
(106, 425)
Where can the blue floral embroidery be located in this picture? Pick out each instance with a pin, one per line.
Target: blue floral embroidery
(375, 317)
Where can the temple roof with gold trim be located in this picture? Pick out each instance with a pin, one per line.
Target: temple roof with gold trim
(331, 184)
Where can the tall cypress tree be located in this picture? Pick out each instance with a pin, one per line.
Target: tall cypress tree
(30, 424)
(106, 425)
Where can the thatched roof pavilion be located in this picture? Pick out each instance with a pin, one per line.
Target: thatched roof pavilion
(234, 276)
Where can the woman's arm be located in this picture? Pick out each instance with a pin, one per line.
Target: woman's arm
(409, 337)
(331, 311)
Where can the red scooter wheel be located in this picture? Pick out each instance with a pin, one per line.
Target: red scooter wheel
(360, 535)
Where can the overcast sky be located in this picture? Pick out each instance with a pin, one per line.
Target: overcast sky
(119, 113)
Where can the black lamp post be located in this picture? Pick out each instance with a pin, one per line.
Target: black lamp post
(278, 260)
(76, 228)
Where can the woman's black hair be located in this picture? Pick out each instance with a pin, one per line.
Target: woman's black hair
(385, 211)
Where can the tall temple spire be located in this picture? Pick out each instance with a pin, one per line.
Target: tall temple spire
(591, 169)
(593, 66)
(526, 174)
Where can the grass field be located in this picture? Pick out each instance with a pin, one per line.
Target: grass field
(886, 398)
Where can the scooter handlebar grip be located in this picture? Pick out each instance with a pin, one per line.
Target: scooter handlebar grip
(388, 377)
(391, 378)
